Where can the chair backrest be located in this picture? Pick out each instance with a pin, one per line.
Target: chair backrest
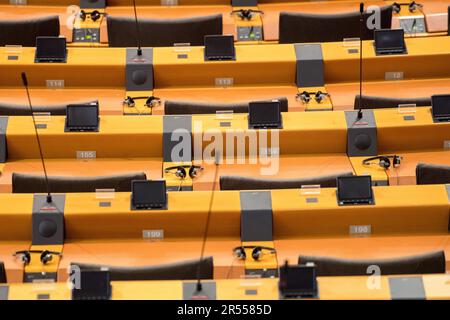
(30, 183)
(2, 273)
(7, 109)
(24, 32)
(373, 102)
(249, 183)
(433, 262)
(162, 33)
(307, 27)
(432, 174)
(185, 270)
(190, 107)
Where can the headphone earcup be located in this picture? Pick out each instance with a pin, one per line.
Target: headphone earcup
(26, 258)
(385, 163)
(46, 257)
(239, 253)
(82, 15)
(181, 172)
(95, 15)
(396, 161)
(257, 253)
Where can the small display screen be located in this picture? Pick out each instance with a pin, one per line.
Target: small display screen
(298, 280)
(389, 39)
(441, 105)
(82, 115)
(264, 113)
(354, 188)
(149, 194)
(219, 46)
(51, 48)
(94, 285)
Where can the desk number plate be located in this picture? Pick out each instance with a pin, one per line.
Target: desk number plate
(362, 230)
(86, 155)
(153, 234)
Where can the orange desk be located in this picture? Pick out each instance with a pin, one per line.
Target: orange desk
(173, 12)
(21, 12)
(406, 173)
(285, 167)
(272, 11)
(135, 253)
(362, 247)
(110, 99)
(81, 168)
(224, 95)
(437, 286)
(343, 94)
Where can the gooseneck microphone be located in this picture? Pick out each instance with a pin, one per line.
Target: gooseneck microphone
(361, 24)
(138, 34)
(25, 84)
(199, 286)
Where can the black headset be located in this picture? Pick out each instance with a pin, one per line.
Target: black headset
(412, 6)
(257, 252)
(305, 96)
(95, 15)
(180, 171)
(151, 101)
(384, 161)
(46, 255)
(246, 14)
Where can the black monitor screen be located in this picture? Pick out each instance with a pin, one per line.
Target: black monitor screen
(298, 280)
(389, 39)
(441, 105)
(82, 115)
(50, 47)
(219, 46)
(93, 285)
(149, 194)
(264, 112)
(354, 188)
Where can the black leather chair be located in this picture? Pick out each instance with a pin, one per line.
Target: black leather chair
(185, 270)
(432, 174)
(189, 107)
(29, 183)
(24, 32)
(162, 33)
(249, 183)
(433, 262)
(307, 27)
(373, 102)
(7, 109)
(2, 273)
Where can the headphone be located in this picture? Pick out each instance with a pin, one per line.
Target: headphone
(46, 255)
(384, 161)
(95, 15)
(151, 101)
(305, 96)
(257, 252)
(412, 6)
(180, 171)
(246, 14)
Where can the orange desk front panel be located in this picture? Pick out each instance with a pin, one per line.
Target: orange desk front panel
(330, 288)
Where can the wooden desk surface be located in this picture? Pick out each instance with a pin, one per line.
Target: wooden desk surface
(436, 287)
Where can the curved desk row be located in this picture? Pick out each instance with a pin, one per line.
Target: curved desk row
(254, 65)
(334, 288)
